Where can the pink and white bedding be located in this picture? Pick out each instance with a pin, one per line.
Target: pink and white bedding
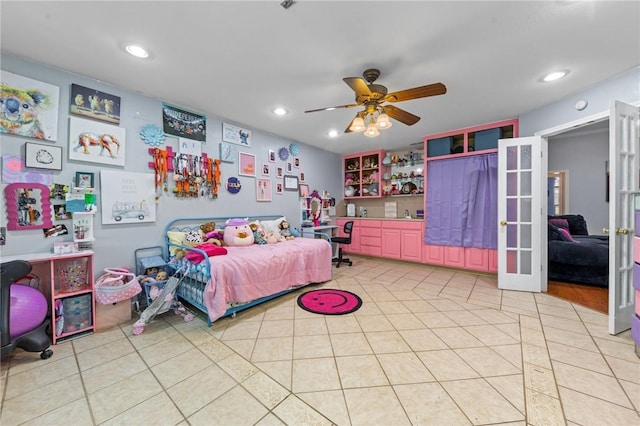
(248, 273)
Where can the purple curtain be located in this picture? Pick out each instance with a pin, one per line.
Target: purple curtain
(462, 202)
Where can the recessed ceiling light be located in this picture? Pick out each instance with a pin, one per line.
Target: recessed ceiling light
(280, 111)
(556, 75)
(137, 51)
(333, 133)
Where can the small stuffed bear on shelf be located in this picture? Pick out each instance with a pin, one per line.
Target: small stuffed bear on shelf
(285, 231)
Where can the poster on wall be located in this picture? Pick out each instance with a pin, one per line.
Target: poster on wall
(184, 124)
(235, 134)
(96, 142)
(29, 107)
(127, 197)
(94, 104)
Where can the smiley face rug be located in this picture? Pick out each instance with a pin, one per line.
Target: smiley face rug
(329, 301)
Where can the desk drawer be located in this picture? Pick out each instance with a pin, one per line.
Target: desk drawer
(370, 232)
(371, 241)
(398, 224)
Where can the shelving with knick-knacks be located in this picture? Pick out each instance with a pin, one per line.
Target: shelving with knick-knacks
(362, 174)
(404, 175)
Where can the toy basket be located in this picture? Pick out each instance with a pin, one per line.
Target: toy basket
(72, 275)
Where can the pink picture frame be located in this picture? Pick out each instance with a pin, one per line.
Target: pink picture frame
(28, 206)
(263, 189)
(246, 164)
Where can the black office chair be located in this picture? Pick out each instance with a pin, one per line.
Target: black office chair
(348, 227)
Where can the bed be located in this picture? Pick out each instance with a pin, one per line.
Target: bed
(221, 285)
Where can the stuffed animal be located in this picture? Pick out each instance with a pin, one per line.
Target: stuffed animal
(192, 239)
(215, 237)
(285, 231)
(160, 276)
(258, 233)
(238, 233)
(207, 227)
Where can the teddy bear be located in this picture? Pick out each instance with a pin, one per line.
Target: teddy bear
(285, 231)
(258, 233)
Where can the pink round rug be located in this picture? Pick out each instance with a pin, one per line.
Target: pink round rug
(329, 301)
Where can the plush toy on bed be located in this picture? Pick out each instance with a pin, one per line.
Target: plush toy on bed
(258, 233)
(160, 276)
(211, 234)
(285, 231)
(238, 233)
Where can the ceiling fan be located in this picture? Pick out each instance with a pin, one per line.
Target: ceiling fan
(372, 96)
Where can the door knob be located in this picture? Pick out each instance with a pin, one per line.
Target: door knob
(503, 223)
(605, 230)
(622, 231)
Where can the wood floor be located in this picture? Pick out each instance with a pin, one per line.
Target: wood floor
(596, 298)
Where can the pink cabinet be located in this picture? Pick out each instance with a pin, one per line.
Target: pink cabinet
(476, 259)
(433, 254)
(362, 174)
(411, 245)
(370, 237)
(402, 239)
(454, 256)
(391, 246)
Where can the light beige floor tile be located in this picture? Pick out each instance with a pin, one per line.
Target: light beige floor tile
(447, 365)
(77, 410)
(494, 316)
(350, 344)
(570, 338)
(241, 330)
(276, 328)
(153, 333)
(540, 380)
(536, 355)
(457, 337)
(367, 308)
(40, 376)
(512, 388)
(435, 319)
(330, 403)
(180, 367)
(511, 353)
(406, 321)
(42, 400)
(588, 410)
(616, 349)
(578, 357)
(294, 411)
(480, 402)
(383, 342)
(582, 380)
(360, 371)
(279, 313)
(375, 406)
(112, 372)
(512, 330)
(164, 350)
(313, 375)
(236, 407)
(543, 409)
(560, 312)
(429, 404)
(269, 420)
(417, 306)
(342, 324)
(110, 401)
(408, 294)
(374, 323)
(633, 392)
(266, 390)
(532, 336)
(104, 353)
(195, 392)
(422, 340)
(237, 367)
(490, 335)
(158, 410)
(445, 305)
(310, 327)
(243, 348)
(486, 362)
(21, 360)
(392, 307)
(464, 318)
(273, 349)
(312, 346)
(575, 326)
(404, 368)
(280, 371)
(94, 340)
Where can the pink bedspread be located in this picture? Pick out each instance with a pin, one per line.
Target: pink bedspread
(252, 272)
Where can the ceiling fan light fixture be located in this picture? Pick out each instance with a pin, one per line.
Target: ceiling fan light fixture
(383, 121)
(372, 131)
(357, 125)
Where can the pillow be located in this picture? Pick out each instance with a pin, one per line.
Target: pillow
(560, 223)
(567, 235)
(175, 237)
(556, 234)
(272, 225)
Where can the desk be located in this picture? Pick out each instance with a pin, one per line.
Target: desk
(314, 231)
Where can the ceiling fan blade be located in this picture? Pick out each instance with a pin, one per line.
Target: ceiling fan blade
(417, 92)
(332, 108)
(401, 115)
(358, 85)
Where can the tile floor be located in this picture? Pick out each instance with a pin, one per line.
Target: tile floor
(429, 346)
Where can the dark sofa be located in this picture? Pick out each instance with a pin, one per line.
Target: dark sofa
(575, 256)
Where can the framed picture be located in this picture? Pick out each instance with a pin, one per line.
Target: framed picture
(272, 156)
(127, 197)
(302, 177)
(296, 162)
(184, 124)
(94, 104)
(289, 166)
(304, 190)
(96, 142)
(290, 183)
(279, 188)
(246, 164)
(37, 97)
(263, 190)
(28, 206)
(43, 156)
(228, 152)
(236, 135)
(60, 211)
(85, 180)
(279, 172)
(266, 169)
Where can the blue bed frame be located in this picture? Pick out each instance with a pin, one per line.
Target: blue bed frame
(191, 288)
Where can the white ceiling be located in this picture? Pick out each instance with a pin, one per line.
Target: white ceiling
(239, 59)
